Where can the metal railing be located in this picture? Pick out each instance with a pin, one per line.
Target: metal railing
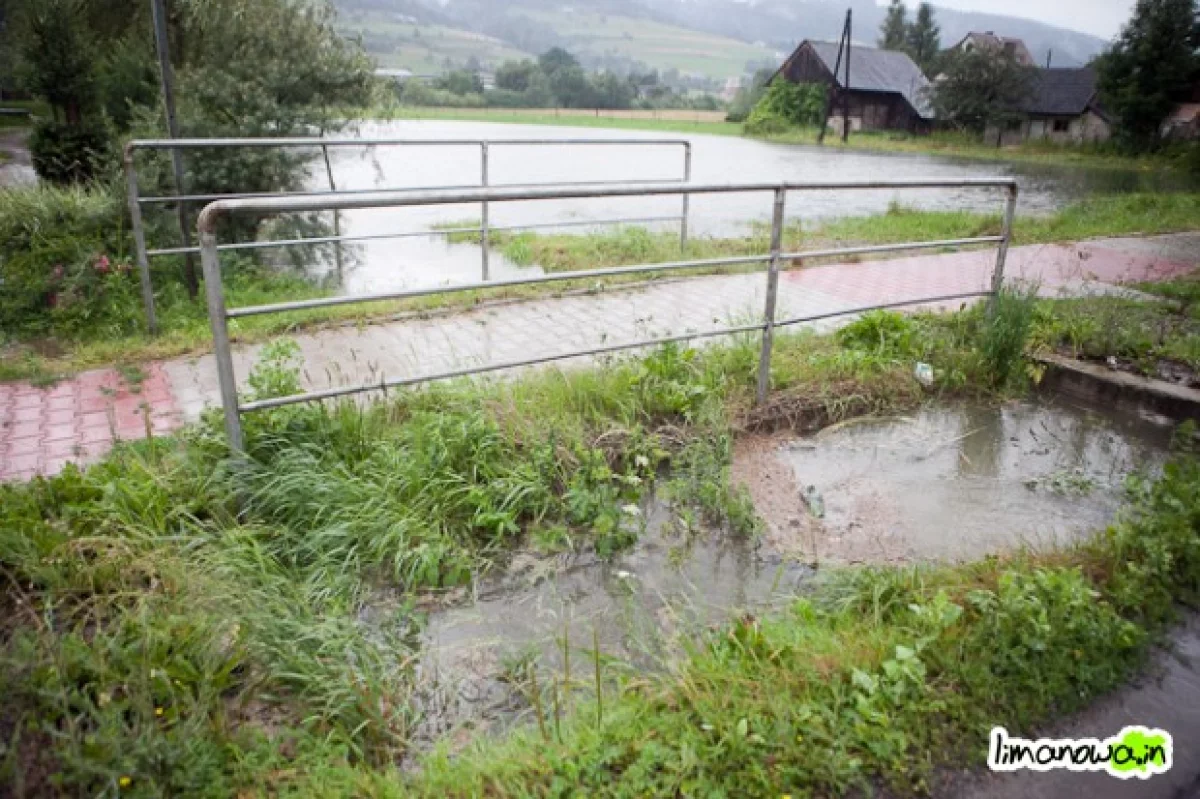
(181, 199)
(219, 315)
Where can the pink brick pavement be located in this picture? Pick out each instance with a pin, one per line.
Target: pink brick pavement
(42, 429)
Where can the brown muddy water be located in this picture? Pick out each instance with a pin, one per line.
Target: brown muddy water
(944, 483)
(639, 606)
(949, 483)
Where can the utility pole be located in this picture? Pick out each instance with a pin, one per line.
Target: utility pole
(843, 49)
(159, 13)
(1049, 55)
(846, 94)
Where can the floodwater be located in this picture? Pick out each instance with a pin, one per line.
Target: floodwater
(411, 262)
(957, 483)
(671, 583)
(947, 483)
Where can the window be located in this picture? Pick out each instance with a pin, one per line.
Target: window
(1062, 125)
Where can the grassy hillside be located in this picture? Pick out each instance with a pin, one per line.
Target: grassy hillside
(591, 34)
(599, 39)
(423, 48)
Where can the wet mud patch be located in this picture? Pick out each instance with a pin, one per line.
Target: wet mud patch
(947, 483)
(479, 646)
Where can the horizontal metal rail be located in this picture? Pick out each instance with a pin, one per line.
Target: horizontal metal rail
(319, 240)
(396, 199)
(316, 142)
(181, 200)
(219, 315)
(171, 199)
(616, 271)
(457, 288)
(383, 385)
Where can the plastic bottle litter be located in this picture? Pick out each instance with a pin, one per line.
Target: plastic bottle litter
(924, 374)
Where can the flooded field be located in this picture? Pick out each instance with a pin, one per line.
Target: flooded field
(397, 263)
(949, 484)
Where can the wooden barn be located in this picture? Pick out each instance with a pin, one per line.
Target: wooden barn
(887, 89)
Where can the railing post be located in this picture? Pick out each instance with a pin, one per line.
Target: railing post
(219, 321)
(768, 336)
(687, 178)
(139, 242)
(337, 216)
(1010, 210)
(483, 230)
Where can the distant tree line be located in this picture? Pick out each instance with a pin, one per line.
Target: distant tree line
(555, 79)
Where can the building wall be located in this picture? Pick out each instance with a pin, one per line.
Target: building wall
(1085, 128)
(876, 111)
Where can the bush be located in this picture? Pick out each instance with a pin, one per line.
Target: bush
(64, 153)
(64, 262)
(786, 104)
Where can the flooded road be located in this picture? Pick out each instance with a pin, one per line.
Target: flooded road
(398, 263)
(955, 483)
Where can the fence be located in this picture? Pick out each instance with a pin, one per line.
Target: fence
(219, 315)
(181, 200)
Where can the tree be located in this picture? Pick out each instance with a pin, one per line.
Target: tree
(923, 39)
(980, 87)
(893, 34)
(557, 59)
(516, 76)
(1151, 67)
(460, 81)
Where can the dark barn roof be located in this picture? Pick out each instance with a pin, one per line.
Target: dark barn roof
(874, 70)
(1060, 92)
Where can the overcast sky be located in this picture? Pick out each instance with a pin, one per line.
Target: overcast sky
(1101, 18)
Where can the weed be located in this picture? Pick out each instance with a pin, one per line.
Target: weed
(1005, 332)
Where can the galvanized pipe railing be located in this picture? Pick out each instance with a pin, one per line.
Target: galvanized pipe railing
(136, 201)
(219, 315)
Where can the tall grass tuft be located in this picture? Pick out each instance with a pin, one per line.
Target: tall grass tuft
(1005, 330)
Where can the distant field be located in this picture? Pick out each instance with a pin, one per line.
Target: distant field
(654, 43)
(424, 49)
(710, 122)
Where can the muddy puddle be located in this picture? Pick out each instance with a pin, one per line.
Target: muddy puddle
(948, 483)
(478, 647)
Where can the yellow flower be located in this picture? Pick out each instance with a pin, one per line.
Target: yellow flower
(125, 782)
(158, 711)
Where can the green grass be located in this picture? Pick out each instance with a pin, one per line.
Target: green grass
(960, 145)
(182, 621)
(1099, 216)
(543, 117)
(1141, 334)
(176, 622)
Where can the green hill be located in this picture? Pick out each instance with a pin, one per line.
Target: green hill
(396, 41)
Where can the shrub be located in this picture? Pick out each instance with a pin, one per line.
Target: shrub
(64, 153)
(64, 262)
(786, 104)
